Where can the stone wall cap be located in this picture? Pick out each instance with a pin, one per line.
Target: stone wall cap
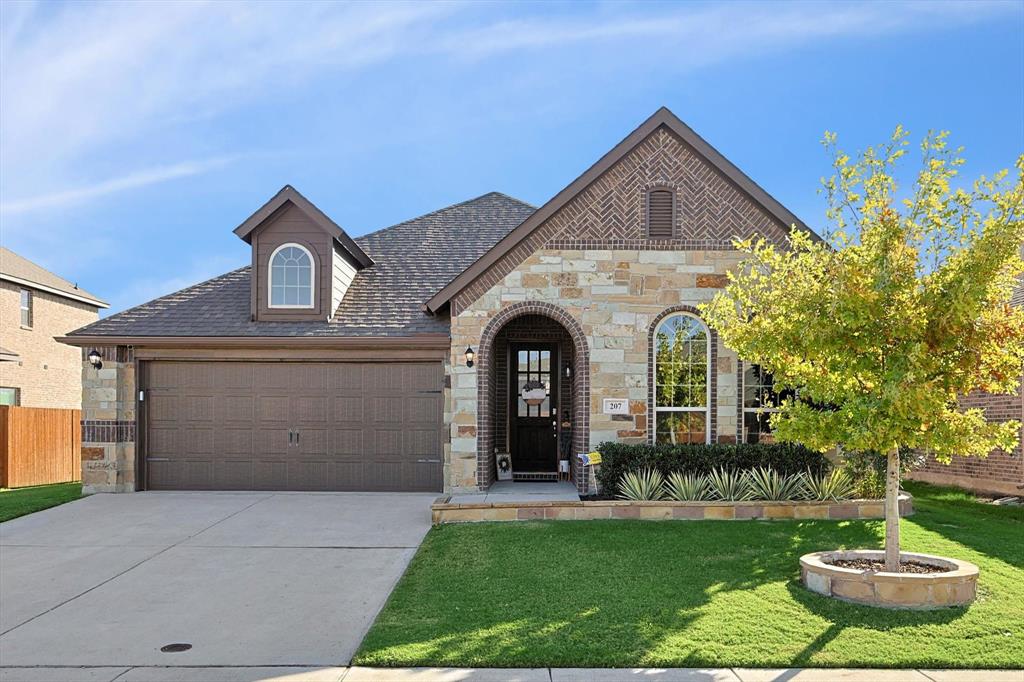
(958, 569)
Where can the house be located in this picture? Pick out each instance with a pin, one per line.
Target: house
(37, 306)
(412, 357)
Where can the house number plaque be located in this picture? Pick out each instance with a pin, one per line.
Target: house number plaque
(616, 406)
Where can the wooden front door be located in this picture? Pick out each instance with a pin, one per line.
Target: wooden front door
(534, 427)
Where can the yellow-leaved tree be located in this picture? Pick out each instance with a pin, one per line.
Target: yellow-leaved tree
(902, 308)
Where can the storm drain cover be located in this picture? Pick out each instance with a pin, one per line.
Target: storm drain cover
(175, 648)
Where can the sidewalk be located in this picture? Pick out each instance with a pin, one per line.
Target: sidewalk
(357, 674)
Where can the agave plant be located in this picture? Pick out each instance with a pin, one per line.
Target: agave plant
(768, 484)
(729, 485)
(687, 487)
(835, 485)
(647, 484)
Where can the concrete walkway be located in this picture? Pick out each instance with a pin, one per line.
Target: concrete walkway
(246, 579)
(521, 491)
(355, 674)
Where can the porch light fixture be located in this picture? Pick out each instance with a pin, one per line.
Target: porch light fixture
(568, 371)
(469, 356)
(95, 359)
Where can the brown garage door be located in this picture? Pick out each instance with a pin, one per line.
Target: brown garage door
(293, 426)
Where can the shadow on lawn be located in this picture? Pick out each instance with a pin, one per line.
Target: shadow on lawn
(842, 615)
(607, 593)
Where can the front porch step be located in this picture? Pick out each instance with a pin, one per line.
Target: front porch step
(534, 475)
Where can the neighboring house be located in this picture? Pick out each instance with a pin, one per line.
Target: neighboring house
(35, 307)
(1000, 472)
(410, 358)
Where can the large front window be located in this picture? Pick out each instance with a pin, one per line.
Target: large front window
(760, 400)
(291, 277)
(682, 363)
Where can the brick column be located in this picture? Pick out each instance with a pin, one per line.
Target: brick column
(108, 421)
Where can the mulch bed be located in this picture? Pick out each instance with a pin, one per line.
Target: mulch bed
(878, 565)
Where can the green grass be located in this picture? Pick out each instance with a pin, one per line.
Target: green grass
(634, 593)
(15, 502)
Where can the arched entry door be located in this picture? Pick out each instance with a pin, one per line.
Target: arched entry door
(533, 407)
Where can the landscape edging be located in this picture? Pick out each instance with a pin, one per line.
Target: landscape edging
(444, 511)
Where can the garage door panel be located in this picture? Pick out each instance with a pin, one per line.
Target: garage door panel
(239, 408)
(273, 375)
(421, 442)
(268, 474)
(422, 409)
(347, 442)
(201, 408)
(235, 474)
(238, 441)
(347, 409)
(386, 409)
(313, 441)
(310, 409)
(271, 442)
(423, 377)
(359, 426)
(274, 408)
(163, 407)
(344, 377)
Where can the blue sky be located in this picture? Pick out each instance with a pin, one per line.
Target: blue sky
(135, 137)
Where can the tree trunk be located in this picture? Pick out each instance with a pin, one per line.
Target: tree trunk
(892, 511)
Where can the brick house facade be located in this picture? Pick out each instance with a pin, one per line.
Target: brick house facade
(41, 371)
(487, 330)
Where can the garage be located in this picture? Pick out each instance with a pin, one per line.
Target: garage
(330, 426)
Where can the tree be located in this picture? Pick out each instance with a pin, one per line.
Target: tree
(901, 309)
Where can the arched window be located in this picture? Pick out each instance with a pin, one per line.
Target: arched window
(291, 277)
(682, 365)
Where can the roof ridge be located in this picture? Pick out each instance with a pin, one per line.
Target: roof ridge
(445, 208)
(159, 298)
(74, 285)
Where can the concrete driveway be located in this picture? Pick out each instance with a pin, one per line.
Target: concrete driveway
(287, 581)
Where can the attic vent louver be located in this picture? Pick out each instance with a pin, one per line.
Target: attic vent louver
(660, 213)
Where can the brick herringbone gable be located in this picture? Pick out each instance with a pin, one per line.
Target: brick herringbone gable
(711, 211)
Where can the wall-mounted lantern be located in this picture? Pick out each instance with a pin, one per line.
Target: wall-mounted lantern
(568, 371)
(470, 355)
(95, 359)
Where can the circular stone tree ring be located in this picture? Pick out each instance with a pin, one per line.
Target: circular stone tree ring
(956, 585)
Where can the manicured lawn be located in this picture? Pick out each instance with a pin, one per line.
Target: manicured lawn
(20, 501)
(633, 593)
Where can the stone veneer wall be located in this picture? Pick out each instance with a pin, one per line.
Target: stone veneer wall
(108, 421)
(614, 296)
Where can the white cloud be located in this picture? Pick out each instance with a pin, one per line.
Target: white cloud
(83, 85)
(141, 178)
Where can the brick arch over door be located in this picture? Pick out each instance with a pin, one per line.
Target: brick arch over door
(652, 421)
(486, 381)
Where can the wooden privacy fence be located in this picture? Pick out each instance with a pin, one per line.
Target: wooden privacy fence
(39, 445)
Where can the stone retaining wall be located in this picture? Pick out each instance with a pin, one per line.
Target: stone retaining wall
(442, 511)
(957, 586)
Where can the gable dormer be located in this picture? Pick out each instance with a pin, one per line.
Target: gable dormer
(302, 261)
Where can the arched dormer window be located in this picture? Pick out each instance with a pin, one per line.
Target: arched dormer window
(291, 277)
(682, 366)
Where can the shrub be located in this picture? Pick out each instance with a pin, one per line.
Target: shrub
(835, 485)
(767, 484)
(687, 487)
(785, 458)
(648, 484)
(867, 472)
(729, 485)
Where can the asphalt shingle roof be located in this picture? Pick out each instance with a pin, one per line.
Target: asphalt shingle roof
(19, 267)
(412, 261)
